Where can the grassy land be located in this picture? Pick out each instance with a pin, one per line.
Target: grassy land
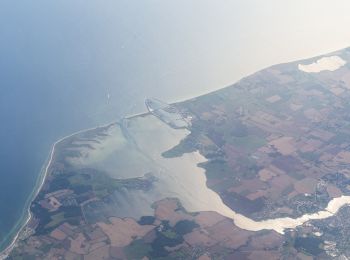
(55, 220)
(248, 143)
(137, 249)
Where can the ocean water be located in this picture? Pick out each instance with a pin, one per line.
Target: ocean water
(68, 65)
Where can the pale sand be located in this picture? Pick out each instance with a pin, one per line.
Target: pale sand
(331, 63)
(280, 224)
(41, 180)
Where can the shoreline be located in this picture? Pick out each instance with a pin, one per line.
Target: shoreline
(40, 182)
(26, 215)
(239, 220)
(37, 188)
(281, 224)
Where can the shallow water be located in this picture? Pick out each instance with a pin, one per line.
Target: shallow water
(178, 177)
(69, 65)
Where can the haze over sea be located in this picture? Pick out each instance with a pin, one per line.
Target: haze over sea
(60, 60)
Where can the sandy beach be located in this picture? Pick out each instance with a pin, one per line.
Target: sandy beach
(41, 180)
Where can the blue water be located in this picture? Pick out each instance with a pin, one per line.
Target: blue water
(60, 59)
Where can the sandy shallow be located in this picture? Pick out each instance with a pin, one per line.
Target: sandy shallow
(140, 152)
(331, 63)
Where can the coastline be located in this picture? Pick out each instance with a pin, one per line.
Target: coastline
(27, 215)
(37, 188)
(239, 220)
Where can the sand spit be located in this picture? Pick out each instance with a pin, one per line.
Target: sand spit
(41, 180)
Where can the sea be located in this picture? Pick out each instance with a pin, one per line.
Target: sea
(69, 65)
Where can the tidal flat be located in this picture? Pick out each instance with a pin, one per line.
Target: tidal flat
(135, 148)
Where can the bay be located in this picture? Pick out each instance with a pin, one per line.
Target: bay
(69, 65)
